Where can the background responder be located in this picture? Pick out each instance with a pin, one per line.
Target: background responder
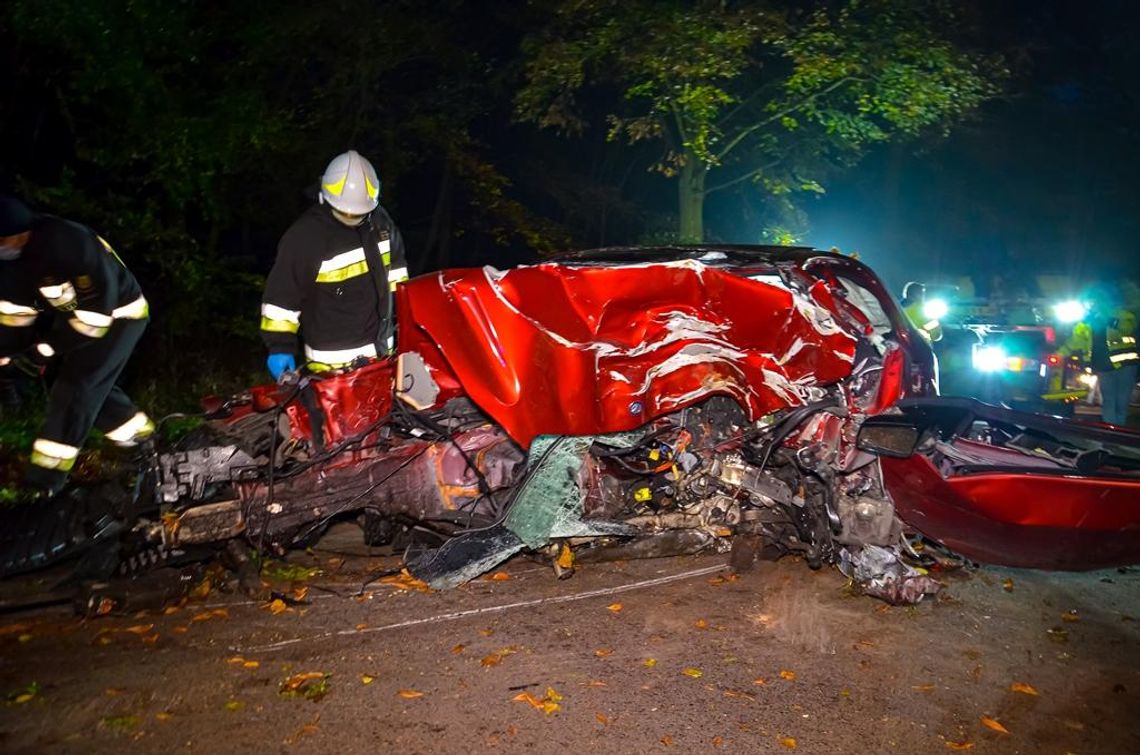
(1107, 339)
(335, 270)
(65, 296)
(914, 303)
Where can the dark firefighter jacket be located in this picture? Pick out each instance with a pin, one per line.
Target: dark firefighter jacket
(68, 270)
(333, 283)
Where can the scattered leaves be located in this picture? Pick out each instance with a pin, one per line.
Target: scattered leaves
(695, 673)
(311, 685)
(788, 675)
(667, 740)
(410, 694)
(548, 704)
(1007, 585)
(760, 681)
(717, 741)
(990, 723)
(276, 606)
(701, 624)
(234, 705)
(603, 652)
(1070, 615)
(367, 678)
(923, 687)
(499, 576)
(164, 715)
(458, 648)
(649, 662)
(487, 632)
(602, 719)
(960, 745)
(615, 607)
(789, 742)
(140, 629)
(1025, 689)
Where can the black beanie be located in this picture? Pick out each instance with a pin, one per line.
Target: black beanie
(15, 217)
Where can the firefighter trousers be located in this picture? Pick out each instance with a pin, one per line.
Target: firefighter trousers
(1116, 393)
(84, 395)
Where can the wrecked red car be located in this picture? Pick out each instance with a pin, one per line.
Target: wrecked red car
(621, 403)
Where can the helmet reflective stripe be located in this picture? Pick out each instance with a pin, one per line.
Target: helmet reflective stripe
(131, 431)
(45, 350)
(279, 320)
(343, 266)
(335, 357)
(51, 454)
(59, 296)
(350, 184)
(16, 315)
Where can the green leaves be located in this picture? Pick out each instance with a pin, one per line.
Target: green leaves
(771, 100)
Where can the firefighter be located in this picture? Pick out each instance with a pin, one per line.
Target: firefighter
(335, 270)
(1107, 339)
(914, 304)
(67, 301)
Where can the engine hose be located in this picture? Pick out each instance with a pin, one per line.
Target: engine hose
(790, 423)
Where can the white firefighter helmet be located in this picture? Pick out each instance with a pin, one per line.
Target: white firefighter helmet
(350, 184)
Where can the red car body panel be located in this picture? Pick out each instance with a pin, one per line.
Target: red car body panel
(1024, 519)
(567, 350)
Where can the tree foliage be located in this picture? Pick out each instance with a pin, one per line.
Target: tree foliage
(753, 93)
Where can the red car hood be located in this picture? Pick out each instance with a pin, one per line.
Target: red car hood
(557, 349)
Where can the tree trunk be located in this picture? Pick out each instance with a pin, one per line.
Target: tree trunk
(691, 198)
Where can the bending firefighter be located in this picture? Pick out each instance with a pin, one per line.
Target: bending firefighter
(1107, 339)
(336, 268)
(67, 298)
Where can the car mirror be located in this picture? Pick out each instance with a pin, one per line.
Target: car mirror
(897, 441)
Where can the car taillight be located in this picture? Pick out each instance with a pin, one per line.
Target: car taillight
(1053, 360)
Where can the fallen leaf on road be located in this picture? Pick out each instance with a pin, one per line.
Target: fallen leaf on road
(491, 660)
(1058, 635)
(601, 718)
(361, 627)
(695, 673)
(251, 664)
(701, 624)
(788, 675)
(1007, 585)
(410, 694)
(603, 652)
(151, 639)
(739, 694)
(649, 662)
(300, 593)
(276, 606)
(989, 723)
(615, 607)
(234, 705)
(1070, 616)
(458, 649)
(1022, 688)
(499, 576)
(180, 630)
(595, 683)
(487, 632)
(237, 660)
(959, 745)
(717, 741)
(311, 685)
(667, 740)
(547, 705)
(405, 581)
(789, 742)
(760, 680)
(140, 629)
(367, 678)
(164, 715)
(23, 695)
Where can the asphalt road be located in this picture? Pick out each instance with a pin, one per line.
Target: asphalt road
(662, 655)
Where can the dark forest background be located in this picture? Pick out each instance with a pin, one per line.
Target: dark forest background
(190, 134)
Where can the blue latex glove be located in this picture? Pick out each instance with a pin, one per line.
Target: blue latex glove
(279, 364)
